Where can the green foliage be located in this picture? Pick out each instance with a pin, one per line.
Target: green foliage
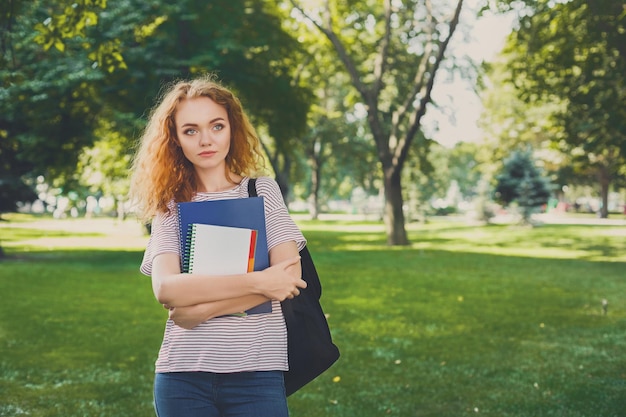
(510, 123)
(571, 55)
(453, 176)
(520, 181)
(337, 144)
(70, 22)
(68, 73)
(499, 321)
(48, 107)
(391, 53)
(104, 167)
(464, 169)
(574, 53)
(12, 191)
(422, 186)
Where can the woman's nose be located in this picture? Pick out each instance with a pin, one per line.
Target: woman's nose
(205, 139)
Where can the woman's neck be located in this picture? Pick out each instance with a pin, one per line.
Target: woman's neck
(218, 184)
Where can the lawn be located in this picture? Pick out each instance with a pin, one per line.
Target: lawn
(467, 321)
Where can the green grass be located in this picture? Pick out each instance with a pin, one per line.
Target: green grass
(494, 321)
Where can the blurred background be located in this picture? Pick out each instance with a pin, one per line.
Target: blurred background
(414, 141)
(392, 110)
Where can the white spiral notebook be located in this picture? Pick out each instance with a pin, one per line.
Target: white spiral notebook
(221, 250)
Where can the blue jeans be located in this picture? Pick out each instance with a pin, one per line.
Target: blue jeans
(206, 394)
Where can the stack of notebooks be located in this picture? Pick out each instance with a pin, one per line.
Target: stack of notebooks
(224, 237)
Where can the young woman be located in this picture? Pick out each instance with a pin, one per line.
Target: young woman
(199, 145)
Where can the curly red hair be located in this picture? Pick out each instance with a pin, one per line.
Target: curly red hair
(160, 171)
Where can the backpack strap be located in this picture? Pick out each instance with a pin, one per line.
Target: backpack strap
(252, 188)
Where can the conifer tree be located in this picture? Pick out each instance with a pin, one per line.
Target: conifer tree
(522, 183)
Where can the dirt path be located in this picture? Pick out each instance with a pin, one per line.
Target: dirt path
(89, 233)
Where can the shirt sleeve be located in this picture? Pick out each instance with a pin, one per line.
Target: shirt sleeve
(279, 225)
(164, 238)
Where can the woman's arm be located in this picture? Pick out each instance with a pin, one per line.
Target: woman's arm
(191, 316)
(281, 280)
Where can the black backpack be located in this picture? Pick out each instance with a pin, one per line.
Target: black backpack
(309, 343)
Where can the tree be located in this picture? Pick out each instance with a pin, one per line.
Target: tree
(392, 52)
(334, 149)
(521, 182)
(46, 115)
(106, 60)
(573, 55)
(103, 168)
(249, 51)
(464, 168)
(326, 143)
(508, 122)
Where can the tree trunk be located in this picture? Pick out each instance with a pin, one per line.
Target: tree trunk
(281, 164)
(314, 212)
(281, 169)
(605, 181)
(121, 209)
(315, 189)
(394, 213)
(283, 184)
(316, 180)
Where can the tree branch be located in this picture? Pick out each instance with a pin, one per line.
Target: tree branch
(370, 97)
(339, 47)
(418, 79)
(404, 143)
(380, 61)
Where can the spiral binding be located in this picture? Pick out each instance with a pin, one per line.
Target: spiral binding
(182, 243)
(189, 248)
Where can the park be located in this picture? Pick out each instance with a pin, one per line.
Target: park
(467, 270)
(500, 320)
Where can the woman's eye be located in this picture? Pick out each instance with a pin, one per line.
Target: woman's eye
(218, 127)
(190, 131)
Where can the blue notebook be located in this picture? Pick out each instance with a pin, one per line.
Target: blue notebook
(238, 212)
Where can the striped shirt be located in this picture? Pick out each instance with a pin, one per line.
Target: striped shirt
(256, 342)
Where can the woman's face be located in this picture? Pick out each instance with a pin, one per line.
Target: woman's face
(203, 130)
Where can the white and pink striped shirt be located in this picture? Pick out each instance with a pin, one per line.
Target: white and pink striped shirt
(256, 342)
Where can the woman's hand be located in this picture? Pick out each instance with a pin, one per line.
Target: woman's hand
(279, 281)
(190, 316)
